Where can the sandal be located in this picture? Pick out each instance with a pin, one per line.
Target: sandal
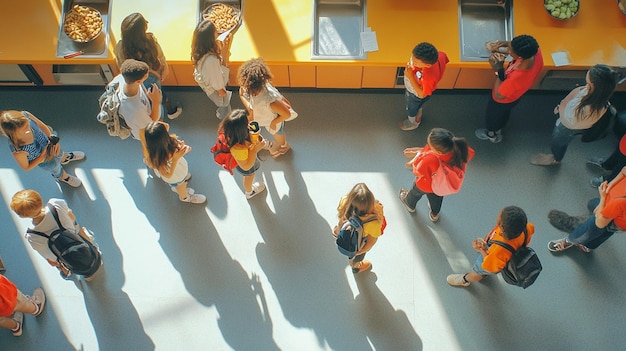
(559, 245)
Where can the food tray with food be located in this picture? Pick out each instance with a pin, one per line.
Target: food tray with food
(226, 18)
(562, 9)
(83, 23)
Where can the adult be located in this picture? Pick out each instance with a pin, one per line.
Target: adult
(511, 83)
(138, 44)
(578, 111)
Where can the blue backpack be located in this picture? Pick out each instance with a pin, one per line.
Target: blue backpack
(350, 235)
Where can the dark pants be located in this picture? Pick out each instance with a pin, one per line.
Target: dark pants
(497, 114)
(434, 200)
(614, 163)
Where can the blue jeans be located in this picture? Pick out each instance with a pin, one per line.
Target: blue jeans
(415, 194)
(478, 266)
(222, 103)
(54, 166)
(589, 234)
(414, 103)
(561, 137)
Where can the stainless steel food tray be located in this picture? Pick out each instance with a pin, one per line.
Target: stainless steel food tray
(97, 48)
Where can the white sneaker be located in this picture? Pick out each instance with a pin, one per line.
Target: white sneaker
(190, 191)
(72, 156)
(256, 189)
(72, 181)
(178, 112)
(194, 199)
(457, 280)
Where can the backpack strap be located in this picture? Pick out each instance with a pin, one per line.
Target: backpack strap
(55, 214)
(30, 231)
(509, 247)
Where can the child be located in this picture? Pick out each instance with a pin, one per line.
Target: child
(33, 143)
(28, 204)
(210, 63)
(13, 305)
(164, 153)
(361, 201)
(510, 228)
(264, 103)
(580, 110)
(442, 146)
(138, 44)
(244, 150)
(421, 76)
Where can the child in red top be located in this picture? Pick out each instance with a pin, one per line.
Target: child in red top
(510, 228)
(13, 305)
(421, 75)
(442, 146)
(511, 83)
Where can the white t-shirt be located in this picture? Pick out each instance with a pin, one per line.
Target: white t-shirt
(137, 109)
(180, 172)
(48, 225)
(260, 105)
(567, 115)
(210, 74)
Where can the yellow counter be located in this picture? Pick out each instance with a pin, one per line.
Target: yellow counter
(280, 31)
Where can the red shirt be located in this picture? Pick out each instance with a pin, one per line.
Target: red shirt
(8, 297)
(518, 81)
(429, 77)
(425, 165)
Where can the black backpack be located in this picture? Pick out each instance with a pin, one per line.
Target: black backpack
(524, 266)
(350, 235)
(80, 256)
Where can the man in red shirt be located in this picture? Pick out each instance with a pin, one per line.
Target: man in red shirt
(421, 75)
(511, 83)
(609, 216)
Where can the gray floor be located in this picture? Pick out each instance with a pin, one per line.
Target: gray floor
(265, 274)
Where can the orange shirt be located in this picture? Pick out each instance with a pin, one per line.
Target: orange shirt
(615, 204)
(8, 297)
(498, 256)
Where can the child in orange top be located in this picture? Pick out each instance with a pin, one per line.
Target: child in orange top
(510, 228)
(244, 150)
(361, 201)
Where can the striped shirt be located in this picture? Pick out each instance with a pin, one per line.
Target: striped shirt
(38, 145)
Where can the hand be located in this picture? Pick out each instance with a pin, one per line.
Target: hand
(53, 150)
(259, 145)
(479, 244)
(410, 152)
(603, 189)
(496, 60)
(154, 94)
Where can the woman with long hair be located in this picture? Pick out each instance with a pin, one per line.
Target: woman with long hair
(164, 154)
(578, 111)
(210, 65)
(442, 146)
(139, 44)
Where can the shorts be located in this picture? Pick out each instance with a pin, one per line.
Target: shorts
(8, 297)
(279, 131)
(478, 267)
(250, 171)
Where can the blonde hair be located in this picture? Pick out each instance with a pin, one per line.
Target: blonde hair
(27, 203)
(10, 122)
(360, 201)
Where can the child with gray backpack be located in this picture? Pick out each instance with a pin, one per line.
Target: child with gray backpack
(361, 223)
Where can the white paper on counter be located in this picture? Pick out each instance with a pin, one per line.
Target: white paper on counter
(369, 41)
(561, 58)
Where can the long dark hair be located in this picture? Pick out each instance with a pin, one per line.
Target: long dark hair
(235, 127)
(160, 145)
(603, 82)
(203, 42)
(136, 43)
(444, 141)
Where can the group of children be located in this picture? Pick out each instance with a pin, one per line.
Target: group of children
(33, 143)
